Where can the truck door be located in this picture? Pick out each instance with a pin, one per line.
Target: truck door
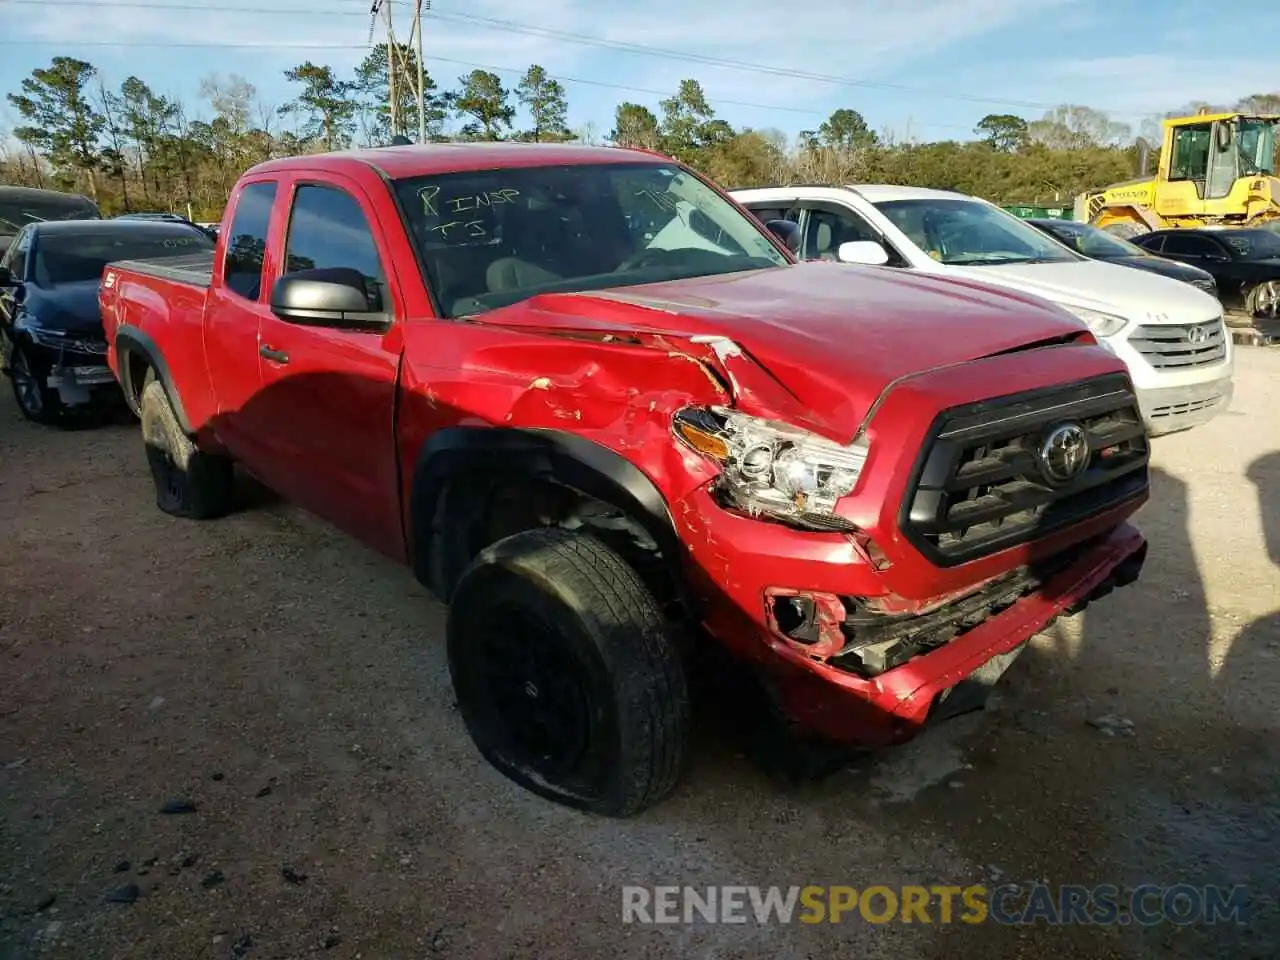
(236, 305)
(327, 406)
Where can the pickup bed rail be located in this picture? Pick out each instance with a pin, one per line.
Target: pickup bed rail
(193, 268)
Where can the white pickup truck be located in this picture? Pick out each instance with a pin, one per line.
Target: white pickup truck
(1170, 335)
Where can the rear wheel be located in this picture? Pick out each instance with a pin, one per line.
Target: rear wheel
(35, 401)
(565, 674)
(189, 482)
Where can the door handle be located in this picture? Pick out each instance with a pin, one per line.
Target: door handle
(276, 356)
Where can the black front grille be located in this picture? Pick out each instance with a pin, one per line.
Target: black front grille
(982, 484)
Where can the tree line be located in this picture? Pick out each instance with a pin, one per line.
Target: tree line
(131, 148)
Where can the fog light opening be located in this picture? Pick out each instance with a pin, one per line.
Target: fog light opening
(810, 621)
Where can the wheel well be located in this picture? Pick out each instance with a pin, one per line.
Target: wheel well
(136, 366)
(476, 508)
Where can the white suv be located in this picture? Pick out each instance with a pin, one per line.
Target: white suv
(1169, 334)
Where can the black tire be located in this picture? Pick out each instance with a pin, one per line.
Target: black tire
(1126, 230)
(557, 616)
(189, 482)
(35, 400)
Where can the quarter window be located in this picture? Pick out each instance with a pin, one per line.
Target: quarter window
(247, 240)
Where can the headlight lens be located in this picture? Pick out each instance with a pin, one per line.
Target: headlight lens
(774, 469)
(48, 338)
(1101, 324)
(59, 339)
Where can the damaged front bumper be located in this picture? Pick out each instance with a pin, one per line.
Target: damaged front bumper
(76, 384)
(855, 673)
(74, 366)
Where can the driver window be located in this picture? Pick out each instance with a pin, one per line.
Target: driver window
(1188, 246)
(825, 231)
(327, 229)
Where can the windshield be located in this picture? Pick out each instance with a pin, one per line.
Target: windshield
(17, 213)
(491, 238)
(1256, 145)
(1092, 242)
(1253, 244)
(81, 255)
(971, 233)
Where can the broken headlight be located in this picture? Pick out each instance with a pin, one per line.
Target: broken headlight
(774, 469)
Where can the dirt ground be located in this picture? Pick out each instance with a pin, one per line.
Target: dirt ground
(292, 686)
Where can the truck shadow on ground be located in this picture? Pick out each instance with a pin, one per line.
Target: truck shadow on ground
(1137, 748)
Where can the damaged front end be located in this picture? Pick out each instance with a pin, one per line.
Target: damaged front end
(74, 365)
(869, 636)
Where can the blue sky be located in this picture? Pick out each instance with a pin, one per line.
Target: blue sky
(925, 69)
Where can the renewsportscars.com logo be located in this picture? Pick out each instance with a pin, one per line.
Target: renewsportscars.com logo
(1104, 904)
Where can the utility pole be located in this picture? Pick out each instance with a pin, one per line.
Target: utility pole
(422, 88)
(393, 105)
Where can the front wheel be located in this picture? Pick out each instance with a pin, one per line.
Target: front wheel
(565, 674)
(1264, 301)
(35, 401)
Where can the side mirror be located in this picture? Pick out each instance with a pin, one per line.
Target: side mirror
(866, 252)
(788, 231)
(6, 278)
(333, 297)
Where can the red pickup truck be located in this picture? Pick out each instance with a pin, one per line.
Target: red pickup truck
(606, 416)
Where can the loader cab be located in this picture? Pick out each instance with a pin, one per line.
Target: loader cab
(1211, 163)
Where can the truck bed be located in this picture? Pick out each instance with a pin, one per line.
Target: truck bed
(193, 269)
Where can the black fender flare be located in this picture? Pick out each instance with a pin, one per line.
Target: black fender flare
(129, 341)
(564, 458)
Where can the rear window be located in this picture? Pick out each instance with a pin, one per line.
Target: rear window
(16, 213)
(81, 255)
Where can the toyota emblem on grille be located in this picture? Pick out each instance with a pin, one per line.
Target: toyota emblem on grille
(1197, 335)
(1064, 454)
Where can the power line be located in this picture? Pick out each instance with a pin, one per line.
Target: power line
(513, 26)
(460, 63)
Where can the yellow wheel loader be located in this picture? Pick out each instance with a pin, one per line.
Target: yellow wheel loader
(1215, 170)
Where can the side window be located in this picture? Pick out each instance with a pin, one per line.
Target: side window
(328, 230)
(1188, 246)
(17, 255)
(826, 230)
(1190, 159)
(1151, 244)
(247, 240)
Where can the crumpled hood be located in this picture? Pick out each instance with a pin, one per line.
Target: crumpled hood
(834, 336)
(1106, 287)
(72, 307)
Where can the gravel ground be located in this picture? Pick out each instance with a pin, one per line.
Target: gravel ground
(292, 687)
